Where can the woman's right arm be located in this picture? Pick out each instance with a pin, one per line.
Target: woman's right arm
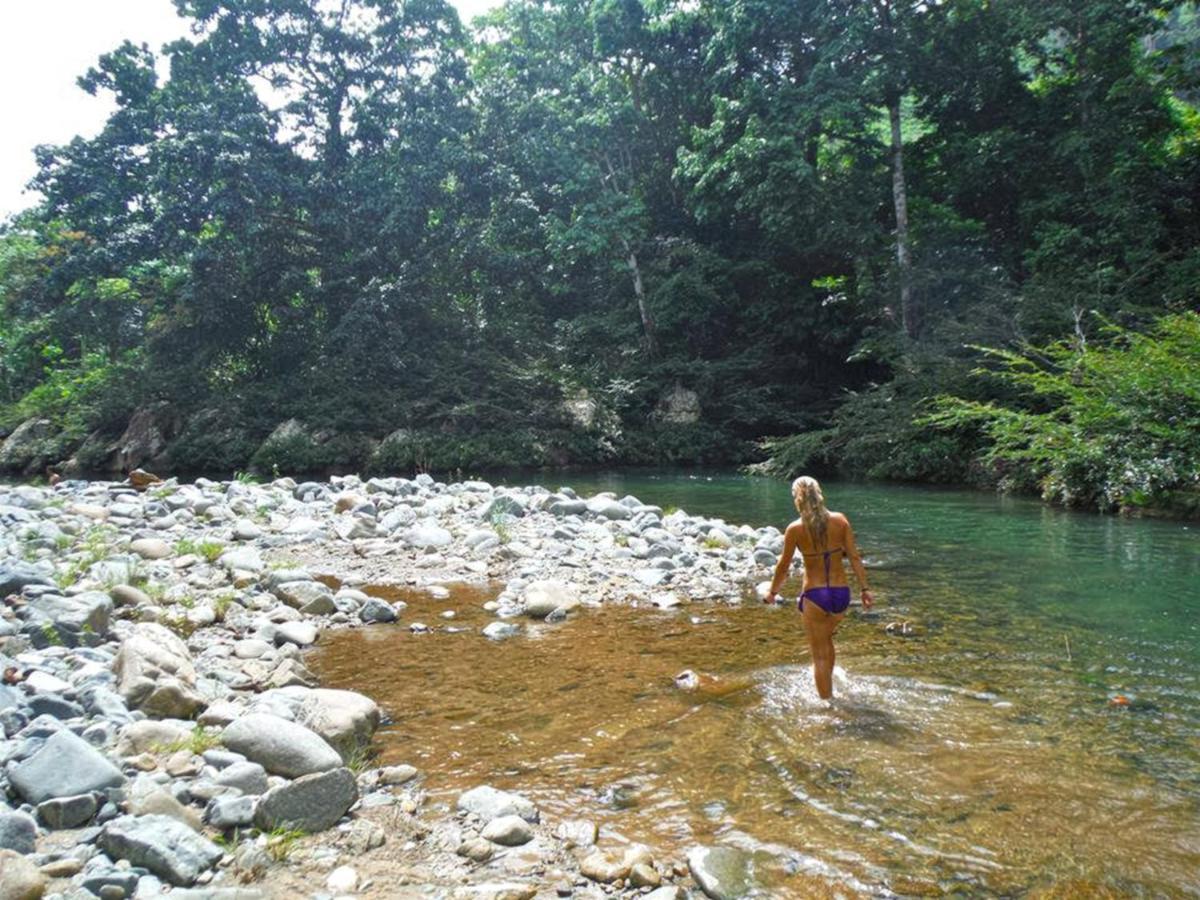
(781, 567)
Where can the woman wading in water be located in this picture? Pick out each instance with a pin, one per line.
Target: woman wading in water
(824, 539)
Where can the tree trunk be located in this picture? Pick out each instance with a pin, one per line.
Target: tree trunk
(909, 314)
(640, 292)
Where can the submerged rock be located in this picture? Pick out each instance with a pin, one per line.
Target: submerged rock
(723, 873)
(489, 803)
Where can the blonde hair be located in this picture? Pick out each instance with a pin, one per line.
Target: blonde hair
(810, 503)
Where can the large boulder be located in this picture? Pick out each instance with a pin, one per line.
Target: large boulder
(279, 746)
(155, 673)
(66, 765)
(31, 447)
(345, 719)
(310, 803)
(146, 437)
(165, 846)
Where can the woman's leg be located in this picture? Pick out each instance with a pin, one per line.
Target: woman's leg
(820, 626)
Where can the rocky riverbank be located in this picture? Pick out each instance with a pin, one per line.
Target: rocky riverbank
(161, 729)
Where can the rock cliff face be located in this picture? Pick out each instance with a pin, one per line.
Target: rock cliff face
(146, 439)
(30, 448)
(678, 406)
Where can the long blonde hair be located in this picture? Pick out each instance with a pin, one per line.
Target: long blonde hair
(810, 503)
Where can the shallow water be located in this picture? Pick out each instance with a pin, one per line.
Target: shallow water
(976, 755)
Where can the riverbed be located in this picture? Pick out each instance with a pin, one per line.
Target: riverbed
(1021, 713)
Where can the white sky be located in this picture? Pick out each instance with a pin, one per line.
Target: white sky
(45, 46)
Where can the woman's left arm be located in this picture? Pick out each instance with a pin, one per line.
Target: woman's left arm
(781, 567)
(856, 563)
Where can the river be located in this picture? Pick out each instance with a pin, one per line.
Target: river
(1036, 732)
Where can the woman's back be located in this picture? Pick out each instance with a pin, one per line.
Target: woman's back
(823, 561)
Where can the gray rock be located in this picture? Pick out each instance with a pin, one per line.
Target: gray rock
(17, 832)
(568, 507)
(489, 803)
(148, 735)
(376, 610)
(53, 705)
(300, 633)
(128, 595)
(150, 548)
(222, 893)
(310, 803)
(723, 873)
(607, 508)
(15, 575)
(599, 866)
(250, 648)
(74, 618)
(64, 766)
(277, 577)
(503, 505)
(230, 812)
(509, 831)
(307, 596)
(650, 577)
(281, 747)
(166, 847)
(428, 535)
(345, 719)
(577, 832)
(245, 530)
(497, 631)
(247, 777)
(68, 812)
(158, 802)
(401, 774)
(670, 892)
(155, 673)
(397, 518)
(544, 597)
(247, 559)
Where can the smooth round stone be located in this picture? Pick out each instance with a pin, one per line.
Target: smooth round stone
(251, 648)
(151, 548)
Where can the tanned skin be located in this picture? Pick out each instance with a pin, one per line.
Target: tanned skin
(818, 624)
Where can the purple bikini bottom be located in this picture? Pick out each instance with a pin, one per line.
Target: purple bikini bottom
(831, 599)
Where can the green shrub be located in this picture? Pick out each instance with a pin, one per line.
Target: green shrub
(1110, 425)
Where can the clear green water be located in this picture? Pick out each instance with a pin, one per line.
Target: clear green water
(975, 756)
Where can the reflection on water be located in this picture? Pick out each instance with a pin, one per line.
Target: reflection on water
(971, 756)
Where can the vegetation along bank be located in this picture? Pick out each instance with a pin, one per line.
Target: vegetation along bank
(614, 232)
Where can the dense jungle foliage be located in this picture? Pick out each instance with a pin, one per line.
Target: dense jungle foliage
(630, 231)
